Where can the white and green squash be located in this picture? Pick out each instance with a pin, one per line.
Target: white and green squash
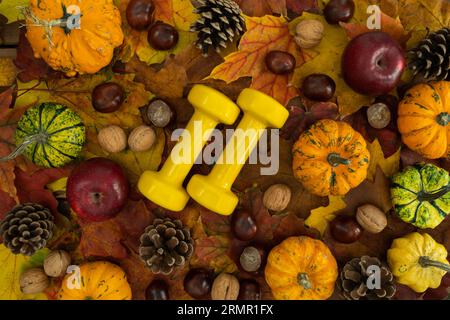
(421, 195)
(51, 135)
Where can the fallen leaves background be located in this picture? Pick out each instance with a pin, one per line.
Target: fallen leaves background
(146, 73)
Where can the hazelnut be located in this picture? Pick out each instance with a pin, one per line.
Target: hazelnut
(250, 259)
(56, 263)
(33, 281)
(225, 287)
(309, 33)
(277, 197)
(112, 139)
(379, 115)
(141, 138)
(159, 113)
(372, 219)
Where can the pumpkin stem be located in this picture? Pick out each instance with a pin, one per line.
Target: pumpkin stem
(443, 118)
(427, 262)
(303, 280)
(335, 159)
(39, 138)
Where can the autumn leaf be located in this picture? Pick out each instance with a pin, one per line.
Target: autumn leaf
(423, 16)
(12, 266)
(263, 35)
(8, 123)
(389, 165)
(259, 8)
(212, 253)
(327, 59)
(178, 13)
(358, 25)
(298, 6)
(320, 217)
(11, 9)
(8, 72)
(102, 239)
(31, 186)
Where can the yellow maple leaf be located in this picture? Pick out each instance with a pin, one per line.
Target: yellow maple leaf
(12, 266)
(327, 59)
(320, 217)
(263, 34)
(389, 166)
(178, 13)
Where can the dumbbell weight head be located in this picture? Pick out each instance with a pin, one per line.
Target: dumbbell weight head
(165, 187)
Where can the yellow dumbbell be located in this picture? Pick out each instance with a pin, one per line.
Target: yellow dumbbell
(165, 187)
(214, 191)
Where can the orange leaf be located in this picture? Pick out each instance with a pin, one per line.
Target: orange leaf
(259, 8)
(389, 25)
(263, 35)
(8, 123)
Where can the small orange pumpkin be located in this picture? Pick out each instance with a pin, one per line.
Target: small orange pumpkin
(424, 119)
(99, 280)
(301, 268)
(74, 36)
(330, 158)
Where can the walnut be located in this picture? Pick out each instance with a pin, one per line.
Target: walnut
(112, 139)
(372, 219)
(225, 287)
(277, 197)
(309, 33)
(33, 281)
(56, 263)
(379, 115)
(141, 138)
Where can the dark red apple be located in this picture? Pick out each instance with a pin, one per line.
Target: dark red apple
(373, 63)
(97, 189)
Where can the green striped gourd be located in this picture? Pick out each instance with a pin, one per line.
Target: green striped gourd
(51, 135)
(421, 195)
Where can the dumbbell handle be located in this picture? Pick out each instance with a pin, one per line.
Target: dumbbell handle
(176, 171)
(239, 148)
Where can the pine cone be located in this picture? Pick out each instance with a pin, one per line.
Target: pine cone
(27, 228)
(353, 280)
(166, 245)
(220, 22)
(431, 58)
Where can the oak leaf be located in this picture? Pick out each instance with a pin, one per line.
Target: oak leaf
(263, 34)
(327, 60)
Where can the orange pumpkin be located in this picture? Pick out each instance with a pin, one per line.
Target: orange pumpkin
(424, 119)
(99, 280)
(71, 43)
(330, 158)
(301, 268)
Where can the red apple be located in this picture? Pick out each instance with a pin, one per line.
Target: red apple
(97, 189)
(373, 63)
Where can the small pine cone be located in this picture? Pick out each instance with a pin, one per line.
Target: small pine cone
(354, 282)
(431, 58)
(166, 245)
(219, 23)
(27, 228)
